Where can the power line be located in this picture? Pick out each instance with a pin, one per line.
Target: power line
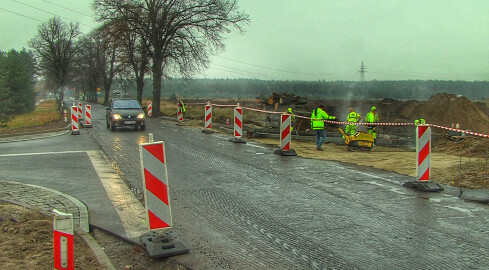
(406, 73)
(72, 10)
(243, 72)
(21, 15)
(286, 71)
(49, 12)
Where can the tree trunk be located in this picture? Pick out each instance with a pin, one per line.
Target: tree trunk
(157, 74)
(140, 85)
(107, 92)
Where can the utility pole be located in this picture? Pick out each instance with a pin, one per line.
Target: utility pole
(362, 72)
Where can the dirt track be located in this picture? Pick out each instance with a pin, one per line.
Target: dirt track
(446, 168)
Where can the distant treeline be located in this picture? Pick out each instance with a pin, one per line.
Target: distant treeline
(249, 88)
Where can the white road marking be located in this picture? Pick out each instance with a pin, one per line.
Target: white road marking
(130, 210)
(42, 153)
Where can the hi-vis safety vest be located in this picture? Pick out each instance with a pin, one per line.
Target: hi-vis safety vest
(353, 117)
(182, 106)
(316, 119)
(371, 118)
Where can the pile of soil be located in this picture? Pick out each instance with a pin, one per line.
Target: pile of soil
(447, 109)
(26, 238)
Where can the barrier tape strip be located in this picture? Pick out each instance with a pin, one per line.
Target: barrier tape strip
(461, 130)
(349, 123)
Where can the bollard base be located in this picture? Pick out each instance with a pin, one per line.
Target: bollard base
(207, 131)
(162, 245)
(75, 132)
(281, 152)
(237, 140)
(85, 125)
(180, 124)
(424, 186)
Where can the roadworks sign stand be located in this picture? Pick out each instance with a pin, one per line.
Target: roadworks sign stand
(159, 241)
(285, 137)
(208, 119)
(88, 117)
(238, 125)
(423, 162)
(180, 115)
(74, 121)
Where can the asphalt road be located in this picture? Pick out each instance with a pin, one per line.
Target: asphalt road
(239, 206)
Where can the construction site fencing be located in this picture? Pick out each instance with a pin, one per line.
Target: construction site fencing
(348, 123)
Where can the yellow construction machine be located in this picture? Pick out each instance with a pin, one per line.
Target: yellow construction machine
(359, 140)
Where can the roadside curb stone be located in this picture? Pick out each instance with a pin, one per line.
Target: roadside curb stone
(34, 136)
(45, 200)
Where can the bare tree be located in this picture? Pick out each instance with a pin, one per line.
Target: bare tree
(87, 68)
(108, 58)
(134, 52)
(55, 47)
(182, 33)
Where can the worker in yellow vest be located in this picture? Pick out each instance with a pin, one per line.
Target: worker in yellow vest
(371, 118)
(353, 117)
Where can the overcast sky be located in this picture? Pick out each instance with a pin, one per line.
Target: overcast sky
(319, 39)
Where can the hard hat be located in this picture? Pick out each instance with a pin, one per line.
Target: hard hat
(373, 108)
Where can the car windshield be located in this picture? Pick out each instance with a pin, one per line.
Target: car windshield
(126, 104)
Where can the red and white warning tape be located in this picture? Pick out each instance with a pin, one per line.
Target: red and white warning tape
(461, 130)
(347, 123)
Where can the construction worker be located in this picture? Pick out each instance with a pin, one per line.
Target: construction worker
(182, 106)
(372, 117)
(317, 124)
(419, 121)
(292, 118)
(352, 117)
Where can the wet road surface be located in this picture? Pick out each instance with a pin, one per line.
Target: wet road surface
(240, 206)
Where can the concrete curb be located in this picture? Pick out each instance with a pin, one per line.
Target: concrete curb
(82, 228)
(34, 136)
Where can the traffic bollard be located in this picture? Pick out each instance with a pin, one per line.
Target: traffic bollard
(64, 250)
(238, 125)
(74, 121)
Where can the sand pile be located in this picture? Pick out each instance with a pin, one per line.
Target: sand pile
(445, 109)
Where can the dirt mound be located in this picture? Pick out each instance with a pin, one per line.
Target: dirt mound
(447, 109)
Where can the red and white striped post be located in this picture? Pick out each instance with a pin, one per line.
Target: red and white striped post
(423, 161)
(64, 249)
(155, 182)
(157, 202)
(74, 121)
(423, 152)
(88, 116)
(238, 125)
(179, 114)
(150, 108)
(80, 110)
(65, 114)
(208, 118)
(285, 136)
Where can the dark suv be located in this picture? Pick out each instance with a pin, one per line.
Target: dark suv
(125, 113)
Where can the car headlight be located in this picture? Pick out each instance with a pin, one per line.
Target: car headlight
(117, 116)
(141, 116)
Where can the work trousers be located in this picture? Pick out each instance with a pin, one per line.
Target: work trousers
(320, 137)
